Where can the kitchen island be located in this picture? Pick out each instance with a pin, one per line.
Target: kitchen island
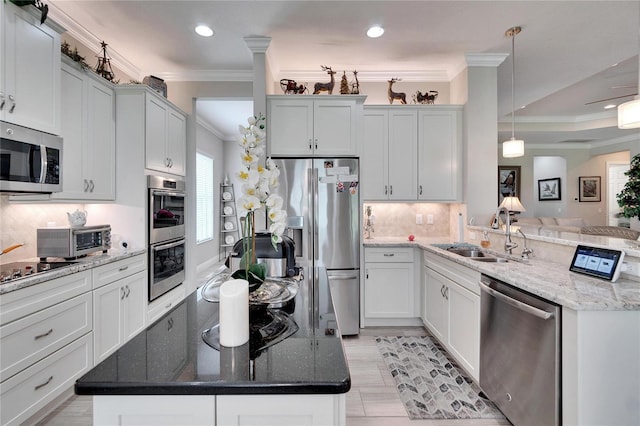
(169, 375)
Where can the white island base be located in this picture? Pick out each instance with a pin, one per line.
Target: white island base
(219, 410)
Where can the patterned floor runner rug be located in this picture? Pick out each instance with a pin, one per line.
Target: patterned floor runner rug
(430, 384)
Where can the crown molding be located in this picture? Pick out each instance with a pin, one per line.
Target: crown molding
(204, 123)
(207, 75)
(485, 59)
(92, 42)
(257, 44)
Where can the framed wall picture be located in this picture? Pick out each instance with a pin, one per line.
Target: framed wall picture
(549, 189)
(589, 188)
(508, 182)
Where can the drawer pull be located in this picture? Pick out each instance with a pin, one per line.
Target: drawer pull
(124, 268)
(389, 254)
(168, 306)
(40, 336)
(43, 384)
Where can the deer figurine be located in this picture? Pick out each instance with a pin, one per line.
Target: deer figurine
(325, 87)
(393, 95)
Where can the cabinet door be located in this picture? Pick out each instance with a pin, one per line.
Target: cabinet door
(100, 146)
(177, 142)
(31, 71)
(436, 308)
(464, 328)
(134, 310)
(374, 162)
(290, 127)
(107, 320)
(388, 290)
(156, 134)
(334, 128)
(73, 116)
(440, 155)
(403, 143)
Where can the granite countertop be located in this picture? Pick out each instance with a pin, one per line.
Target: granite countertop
(83, 263)
(551, 281)
(171, 358)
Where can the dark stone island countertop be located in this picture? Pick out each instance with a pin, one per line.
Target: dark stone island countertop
(171, 358)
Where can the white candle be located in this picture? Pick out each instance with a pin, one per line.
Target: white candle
(234, 313)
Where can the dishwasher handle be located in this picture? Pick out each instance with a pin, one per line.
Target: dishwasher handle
(539, 313)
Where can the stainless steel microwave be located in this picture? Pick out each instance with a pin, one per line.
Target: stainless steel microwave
(71, 243)
(30, 160)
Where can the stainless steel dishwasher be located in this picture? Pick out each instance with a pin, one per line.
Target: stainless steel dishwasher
(520, 353)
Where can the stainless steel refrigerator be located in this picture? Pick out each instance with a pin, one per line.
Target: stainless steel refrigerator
(322, 199)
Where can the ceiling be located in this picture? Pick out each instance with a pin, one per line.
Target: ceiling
(565, 54)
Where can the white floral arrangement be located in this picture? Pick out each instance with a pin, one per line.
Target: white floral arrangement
(259, 181)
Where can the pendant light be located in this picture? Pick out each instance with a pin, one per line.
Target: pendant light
(629, 112)
(513, 147)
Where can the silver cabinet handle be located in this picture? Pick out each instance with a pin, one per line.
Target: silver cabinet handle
(91, 185)
(539, 313)
(121, 293)
(1, 101)
(316, 143)
(9, 131)
(124, 268)
(43, 384)
(128, 290)
(40, 336)
(420, 189)
(86, 185)
(446, 292)
(13, 105)
(389, 254)
(310, 145)
(390, 189)
(386, 192)
(442, 290)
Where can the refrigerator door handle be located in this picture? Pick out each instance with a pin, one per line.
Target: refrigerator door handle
(316, 234)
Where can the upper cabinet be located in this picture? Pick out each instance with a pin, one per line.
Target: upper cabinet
(440, 153)
(30, 75)
(412, 153)
(166, 136)
(88, 130)
(313, 125)
(146, 119)
(388, 166)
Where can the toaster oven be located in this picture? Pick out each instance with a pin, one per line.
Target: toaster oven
(71, 243)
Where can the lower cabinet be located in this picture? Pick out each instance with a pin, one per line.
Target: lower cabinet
(119, 313)
(220, 410)
(451, 309)
(389, 289)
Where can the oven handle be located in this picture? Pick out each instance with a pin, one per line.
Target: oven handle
(539, 313)
(169, 193)
(43, 164)
(168, 245)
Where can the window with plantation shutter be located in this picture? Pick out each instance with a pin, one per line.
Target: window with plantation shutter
(204, 198)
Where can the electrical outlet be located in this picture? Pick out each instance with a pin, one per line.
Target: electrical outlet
(419, 219)
(430, 219)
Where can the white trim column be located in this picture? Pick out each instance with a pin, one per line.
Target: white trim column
(258, 46)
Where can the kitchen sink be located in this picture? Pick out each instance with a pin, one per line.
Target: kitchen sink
(476, 254)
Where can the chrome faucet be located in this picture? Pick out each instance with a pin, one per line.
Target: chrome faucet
(525, 250)
(508, 244)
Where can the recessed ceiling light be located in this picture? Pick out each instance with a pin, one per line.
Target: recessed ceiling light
(610, 106)
(375, 31)
(204, 31)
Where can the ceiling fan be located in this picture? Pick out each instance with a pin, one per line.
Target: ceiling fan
(630, 86)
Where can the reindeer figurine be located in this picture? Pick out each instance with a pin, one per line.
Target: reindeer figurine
(393, 95)
(325, 87)
(428, 97)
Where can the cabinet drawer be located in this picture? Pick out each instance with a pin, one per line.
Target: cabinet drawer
(32, 338)
(460, 274)
(23, 302)
(105, 274)
(392, 254)
(162, 305)
(27, 392)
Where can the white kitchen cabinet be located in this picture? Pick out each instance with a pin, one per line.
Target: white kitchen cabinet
(147, 120)
(313, 125)
(119, 306)
(30, 75)
(389, 166)
(88, 129)
(440, 153)
(389, 290)
(451, 309)
(166, 136)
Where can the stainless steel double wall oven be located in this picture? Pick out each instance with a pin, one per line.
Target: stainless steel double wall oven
(166, 234)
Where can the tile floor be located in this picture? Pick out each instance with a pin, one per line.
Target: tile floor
(372, 400)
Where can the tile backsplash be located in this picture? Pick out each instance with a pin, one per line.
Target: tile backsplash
(19, 223)
(399, 219)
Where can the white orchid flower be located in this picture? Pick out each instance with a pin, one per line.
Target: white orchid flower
(274, 201)
(277, 215)
(249, 203)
